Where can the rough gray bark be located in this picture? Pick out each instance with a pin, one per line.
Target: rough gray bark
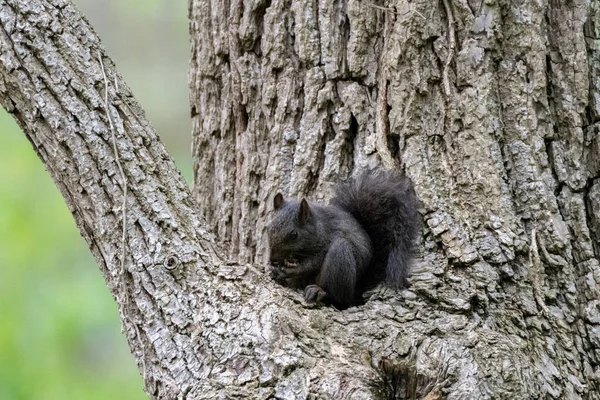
(499, 135)
(491, 107)
(199, 328)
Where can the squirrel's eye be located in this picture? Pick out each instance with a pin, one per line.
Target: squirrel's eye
(293, 235)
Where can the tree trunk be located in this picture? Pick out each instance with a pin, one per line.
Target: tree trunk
(491, 108)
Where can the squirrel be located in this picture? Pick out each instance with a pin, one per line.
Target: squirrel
(335, 252)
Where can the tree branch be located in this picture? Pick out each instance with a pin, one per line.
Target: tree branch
(196, 329)
(199, 328)
(52, 82)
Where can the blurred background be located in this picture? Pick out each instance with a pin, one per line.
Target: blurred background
(60, 334)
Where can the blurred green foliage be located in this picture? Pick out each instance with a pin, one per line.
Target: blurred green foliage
(60, 335)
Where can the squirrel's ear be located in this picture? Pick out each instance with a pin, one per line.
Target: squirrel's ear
(278, 201)
(305, 214)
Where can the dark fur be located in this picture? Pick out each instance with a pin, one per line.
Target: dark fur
(385, 205)
(336, 252)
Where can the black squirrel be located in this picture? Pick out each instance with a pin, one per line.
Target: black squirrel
(336, 252)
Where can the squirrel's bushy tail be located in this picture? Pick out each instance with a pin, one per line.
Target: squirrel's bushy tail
(384, 203)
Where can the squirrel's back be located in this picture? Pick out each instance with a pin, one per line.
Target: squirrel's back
(385, 205)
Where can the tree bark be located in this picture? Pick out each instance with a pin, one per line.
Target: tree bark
(198, 327)
(53, 78)
(491, 108)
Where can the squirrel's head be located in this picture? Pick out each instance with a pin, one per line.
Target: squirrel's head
(292, 231)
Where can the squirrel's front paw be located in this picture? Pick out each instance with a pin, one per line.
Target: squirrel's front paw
(282, 271)
(278, 274)
(290, 263)
(314, 293)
